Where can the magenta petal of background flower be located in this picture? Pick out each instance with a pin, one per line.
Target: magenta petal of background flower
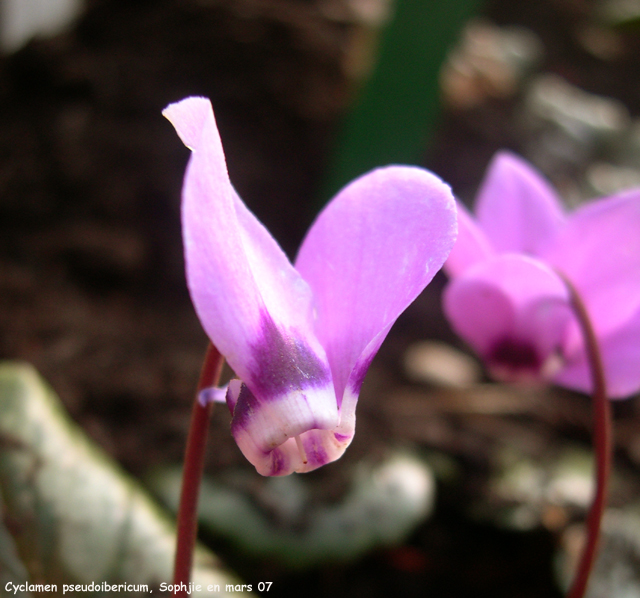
(471, 247)
(596, 248)
(479, 311)
(513, 310)
(368, 255)
(599, 251)
(620, 352)
(516, 208)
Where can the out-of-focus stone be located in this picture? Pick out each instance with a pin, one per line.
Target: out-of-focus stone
(601, 42)
(568, 129)
(20, 20)
(437, 363)
(489, 62)
(525, 493)
(606, 179)
(616, 573)
(620, 12)
(580, 114)
(282, 518)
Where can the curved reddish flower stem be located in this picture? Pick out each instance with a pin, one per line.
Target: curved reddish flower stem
(192, 474)
(602, 444)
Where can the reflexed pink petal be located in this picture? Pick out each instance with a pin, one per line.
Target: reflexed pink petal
(620, 351)
(368, 255)
(252, 303)
(513, 311)
(472, 245)
(188, 118)
(599, 251)
(238, 276)
(516, 207)
(222, 287)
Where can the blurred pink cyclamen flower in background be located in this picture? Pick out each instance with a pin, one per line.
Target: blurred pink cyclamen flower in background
(507, 301)
(301, 338)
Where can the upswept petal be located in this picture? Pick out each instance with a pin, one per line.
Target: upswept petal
(188, 118)
(239, 278)
(368, 255)
(598, 250)
(516, 208)
(471, 247)
(514, 311)
(252, 303)
(620, 352)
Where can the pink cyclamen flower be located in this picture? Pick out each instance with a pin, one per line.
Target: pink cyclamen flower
(301, 338)
(507, 300)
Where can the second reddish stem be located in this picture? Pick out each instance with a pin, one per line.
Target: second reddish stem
(602, 444)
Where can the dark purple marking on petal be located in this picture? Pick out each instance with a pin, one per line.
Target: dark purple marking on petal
(314, 451)
(284, 363)
(244, 395)
(341, 437)
(358, 374)
(514, 355)
(245, 406)
(278, 462)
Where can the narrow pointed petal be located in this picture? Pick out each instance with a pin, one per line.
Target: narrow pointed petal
(599, 251)
(252, 303)
(368, 255)
(514, 311)
(188, 118)
(243, 287)
(516, 208)
(620, 352)
(471, 247)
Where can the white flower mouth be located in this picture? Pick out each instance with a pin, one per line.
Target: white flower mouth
(288, 433)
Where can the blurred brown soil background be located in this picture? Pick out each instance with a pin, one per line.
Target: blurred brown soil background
(92, 285)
